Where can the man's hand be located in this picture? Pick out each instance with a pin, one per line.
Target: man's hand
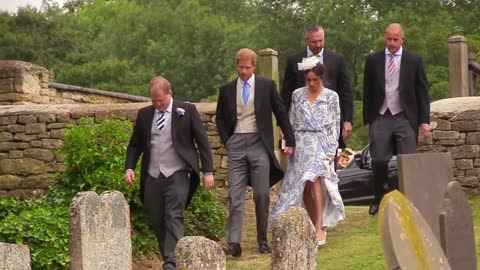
(347, 130)
(425, 130)
(129, 176)
(331, 158)
(288, 151)
(208, 181)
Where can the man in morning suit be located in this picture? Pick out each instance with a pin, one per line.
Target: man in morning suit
(244, 122)
(395, 106)
(165, 133)
(337, 79)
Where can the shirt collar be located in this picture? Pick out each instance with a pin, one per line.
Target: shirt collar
(398, 53)
(310, 53)
(250, 80)
(169, 108)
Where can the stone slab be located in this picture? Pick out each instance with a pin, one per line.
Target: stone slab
(407, 240)
(14, 257)
(423, 179)
(100, 232)
(199, 253)
(294, 241)
(457, 234)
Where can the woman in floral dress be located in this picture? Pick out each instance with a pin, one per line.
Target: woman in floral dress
(310, 180)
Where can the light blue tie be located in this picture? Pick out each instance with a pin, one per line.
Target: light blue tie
(245, 92)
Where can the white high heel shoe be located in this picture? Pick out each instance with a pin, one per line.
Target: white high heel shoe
(322, 242)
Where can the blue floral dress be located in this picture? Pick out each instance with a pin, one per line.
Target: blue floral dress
(316, 127)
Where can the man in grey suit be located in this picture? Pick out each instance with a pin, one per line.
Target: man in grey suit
(395, 106)
(244, 122)
(165, 133)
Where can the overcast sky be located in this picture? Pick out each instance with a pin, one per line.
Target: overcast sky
(12, 5)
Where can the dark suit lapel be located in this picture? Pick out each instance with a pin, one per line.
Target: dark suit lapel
(232, 98)
(381, 70)
(403, 70)
(148, 123)
(257, 99)
(174, 119)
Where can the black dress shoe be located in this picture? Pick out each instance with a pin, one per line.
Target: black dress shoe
(168, 266)
(373, 208)
(264, 248)
(233, 249)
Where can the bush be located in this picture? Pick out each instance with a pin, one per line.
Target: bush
(94, 158)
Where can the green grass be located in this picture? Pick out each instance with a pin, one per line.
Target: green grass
(353, 244)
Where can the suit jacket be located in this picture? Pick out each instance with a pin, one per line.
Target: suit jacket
(413, 88)
(266, 101)
(186, 131)
(337, 80)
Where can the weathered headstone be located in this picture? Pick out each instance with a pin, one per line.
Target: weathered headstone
(14, 257)
(100, 232)
(423, 179)
(294, 241)
(456, 229)
(199, 253)
(407, 240)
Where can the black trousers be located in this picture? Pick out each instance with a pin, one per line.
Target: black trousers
(389, 135)
(165, 199)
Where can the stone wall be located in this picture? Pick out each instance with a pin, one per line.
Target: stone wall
(455, 125)
(26, 83)
(30, 136)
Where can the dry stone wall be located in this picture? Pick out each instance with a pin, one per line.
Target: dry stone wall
(25, 83)
(455, 125)
(30, 136)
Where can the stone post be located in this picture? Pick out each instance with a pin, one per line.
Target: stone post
(458, 66)
(267, 64)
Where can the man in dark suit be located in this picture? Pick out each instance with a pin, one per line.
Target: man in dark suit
(337, 79)
(244, 122)
(395, 106)
(165, 133)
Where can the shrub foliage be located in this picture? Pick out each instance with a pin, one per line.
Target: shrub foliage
(94, 157)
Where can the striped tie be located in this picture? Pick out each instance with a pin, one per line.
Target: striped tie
(391, 64)
(160, 121)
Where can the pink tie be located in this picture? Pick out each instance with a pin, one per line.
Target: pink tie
(391, 64)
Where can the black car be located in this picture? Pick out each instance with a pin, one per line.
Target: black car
(356, 179)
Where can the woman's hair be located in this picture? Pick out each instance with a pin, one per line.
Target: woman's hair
(320, 70)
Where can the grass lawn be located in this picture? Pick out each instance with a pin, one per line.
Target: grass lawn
(353, 244)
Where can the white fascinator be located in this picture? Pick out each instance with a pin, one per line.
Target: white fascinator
(308, 63)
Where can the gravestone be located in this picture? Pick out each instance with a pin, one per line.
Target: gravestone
(407, 240)
(100, 232)
(14, 257)
(199, 253)
(456, 229)
(423, 179)
(294, 241)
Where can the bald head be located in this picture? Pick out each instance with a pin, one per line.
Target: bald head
(394, 27)
(393, 37)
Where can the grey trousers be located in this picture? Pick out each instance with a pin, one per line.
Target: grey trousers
(165, 200)
(247, 160)
(389, 134)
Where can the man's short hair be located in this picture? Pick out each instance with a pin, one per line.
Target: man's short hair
(312, 29)
(246, 54)
(161, 82)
